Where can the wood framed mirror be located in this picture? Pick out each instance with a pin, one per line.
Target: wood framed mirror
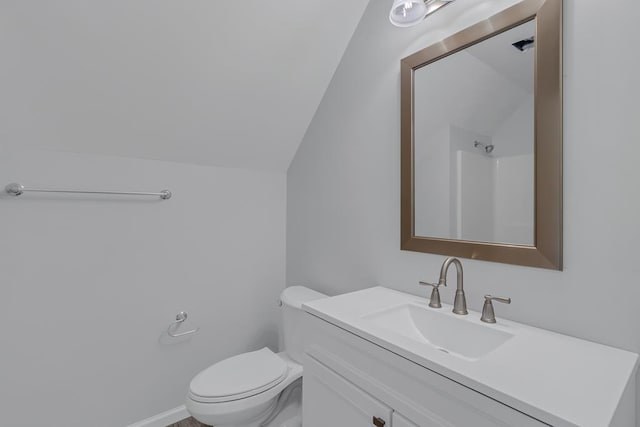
(481, 140)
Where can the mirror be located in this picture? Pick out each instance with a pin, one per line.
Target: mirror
(476, 142)
(482, 140)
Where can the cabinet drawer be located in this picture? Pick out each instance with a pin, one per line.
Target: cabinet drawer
(398, 420)
(421, 395)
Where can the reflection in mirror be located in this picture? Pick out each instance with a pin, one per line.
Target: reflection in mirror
(481, 140)
(474, 142)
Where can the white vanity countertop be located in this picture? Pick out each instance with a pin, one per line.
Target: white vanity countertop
(558, 379)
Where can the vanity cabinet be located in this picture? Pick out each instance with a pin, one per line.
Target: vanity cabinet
(430, 367)
(332, 400)
(349, 381)
(329, 399)
(398, 420)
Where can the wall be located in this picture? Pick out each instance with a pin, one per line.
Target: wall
(514, 199)
(446, 94)
(471, 183)
(90, 284)
(475, 196)
(433, 203)
(344, 183)
(515, 134)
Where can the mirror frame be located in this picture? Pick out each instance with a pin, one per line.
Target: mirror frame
(546, 251)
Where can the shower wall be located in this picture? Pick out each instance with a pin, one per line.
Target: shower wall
(494, 198)
(514, 199)
(464, 193)
(475, 197)
(494, 192)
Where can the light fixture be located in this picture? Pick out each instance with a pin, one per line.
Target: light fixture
(407, 13)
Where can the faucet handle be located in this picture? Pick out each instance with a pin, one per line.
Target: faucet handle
(435, 285)
(434, 300)
(488, 315)
(499, 299)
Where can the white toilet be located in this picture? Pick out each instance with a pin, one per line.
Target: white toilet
(259, 388)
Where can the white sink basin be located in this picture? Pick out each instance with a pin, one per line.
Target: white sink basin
(445, 331)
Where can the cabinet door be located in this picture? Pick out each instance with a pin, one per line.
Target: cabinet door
(330, 400)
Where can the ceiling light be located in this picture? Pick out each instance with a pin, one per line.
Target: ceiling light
(407, 13)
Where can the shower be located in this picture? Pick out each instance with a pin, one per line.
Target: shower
(488, 148)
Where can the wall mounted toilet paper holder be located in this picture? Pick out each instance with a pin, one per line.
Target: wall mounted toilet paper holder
(180, 317)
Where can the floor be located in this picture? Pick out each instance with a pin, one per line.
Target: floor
(187, 422)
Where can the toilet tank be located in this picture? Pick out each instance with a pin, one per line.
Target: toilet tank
(292, 314)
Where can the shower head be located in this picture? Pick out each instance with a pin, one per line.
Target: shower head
(487, 148)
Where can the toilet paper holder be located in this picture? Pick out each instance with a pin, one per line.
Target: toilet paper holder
(180, 317)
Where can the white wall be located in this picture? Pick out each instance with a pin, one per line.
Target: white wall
(432, 196)
(88, 285)
(446, 94)
(514, 199)
(344, 183)
(515, 134)
(476, 196)
(515, 176)
(462, 154)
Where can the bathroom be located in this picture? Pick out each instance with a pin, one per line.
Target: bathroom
(278, 136)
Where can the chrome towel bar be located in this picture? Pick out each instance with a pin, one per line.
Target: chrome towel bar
(16, 189)
(180, 317)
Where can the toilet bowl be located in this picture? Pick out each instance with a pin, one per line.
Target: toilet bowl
(257, 388)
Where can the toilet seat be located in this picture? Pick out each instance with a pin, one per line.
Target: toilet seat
(239, 377)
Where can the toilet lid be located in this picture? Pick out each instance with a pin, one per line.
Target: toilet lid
(240, 376)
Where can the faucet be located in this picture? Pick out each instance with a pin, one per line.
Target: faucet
(460, 302)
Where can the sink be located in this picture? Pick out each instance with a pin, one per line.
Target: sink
(444, 331)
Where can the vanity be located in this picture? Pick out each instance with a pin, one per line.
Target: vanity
(385, 358)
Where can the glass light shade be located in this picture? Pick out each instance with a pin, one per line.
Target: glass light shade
(406, 13)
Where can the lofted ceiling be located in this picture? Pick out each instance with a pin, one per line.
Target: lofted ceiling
(479, 87)
(211, 82)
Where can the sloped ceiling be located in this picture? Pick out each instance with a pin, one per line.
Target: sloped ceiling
(479, 87)
(223, 83)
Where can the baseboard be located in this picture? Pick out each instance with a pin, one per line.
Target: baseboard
(164, 419)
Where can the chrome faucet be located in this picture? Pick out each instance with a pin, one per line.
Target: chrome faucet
(460, 302)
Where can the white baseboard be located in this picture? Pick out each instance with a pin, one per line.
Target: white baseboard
(164, 419)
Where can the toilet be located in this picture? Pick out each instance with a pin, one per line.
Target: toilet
(259, 388)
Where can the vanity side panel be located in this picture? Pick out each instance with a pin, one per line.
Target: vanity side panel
(626, 411)
(419, 393)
